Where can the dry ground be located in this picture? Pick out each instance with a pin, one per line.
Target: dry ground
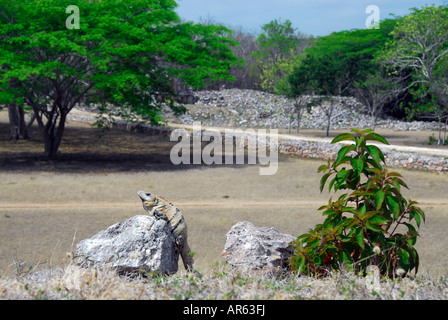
(48, 206)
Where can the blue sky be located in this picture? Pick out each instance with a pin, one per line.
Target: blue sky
(315, 17)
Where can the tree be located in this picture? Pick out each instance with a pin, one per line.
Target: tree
(279, 45)
(334, 63)
(324, 77)
(243, 77)
(375, 92)
(421, 45)
(122, 56)
(425, 105)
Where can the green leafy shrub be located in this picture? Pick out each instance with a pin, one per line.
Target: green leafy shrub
(370, 225)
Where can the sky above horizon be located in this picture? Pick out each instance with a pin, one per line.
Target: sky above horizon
(317, 18)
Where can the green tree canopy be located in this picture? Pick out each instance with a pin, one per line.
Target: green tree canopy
(334, 62)
(123, 55)
(279, 47)
(420, 48)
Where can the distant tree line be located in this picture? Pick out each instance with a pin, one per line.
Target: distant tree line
(399, 69)
(268, 57)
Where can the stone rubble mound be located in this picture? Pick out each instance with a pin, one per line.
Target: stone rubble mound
(257, 109)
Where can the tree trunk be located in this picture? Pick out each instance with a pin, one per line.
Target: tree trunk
(373, 124)
(299, 117)
(444, 132)
(290, 123)
(53, 139)
(17, 125)
(52, 132)
(31, 119)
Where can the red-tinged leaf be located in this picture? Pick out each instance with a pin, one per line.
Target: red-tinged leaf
(357, 131)
(394, 174)
(402, 183)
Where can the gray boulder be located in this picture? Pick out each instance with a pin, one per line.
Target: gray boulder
(140, 243)
(255, 248)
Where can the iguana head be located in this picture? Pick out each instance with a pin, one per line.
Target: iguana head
(151, 202)
(148, 201)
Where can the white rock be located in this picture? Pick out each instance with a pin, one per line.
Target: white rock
(257, 248)
(140, 243)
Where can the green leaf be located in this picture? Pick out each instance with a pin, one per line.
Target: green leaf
(376, 153)
(346, 257)
(411, 229)
(330, 185)
(416, 216)
(341, 177)
(373, 227)
(394, 206)
(360, 237)
(378, 220)
(376, 137)
(379, 198)
(323, 180)
(403, 255)
(322, 168)
(343, 137)
(420, 211)
(358, 166)
(342, 153)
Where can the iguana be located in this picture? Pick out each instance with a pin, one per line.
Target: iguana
(160, 208)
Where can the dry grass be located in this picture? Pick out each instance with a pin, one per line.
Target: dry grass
(45, 204)
(221, 283)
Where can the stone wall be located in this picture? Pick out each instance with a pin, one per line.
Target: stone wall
(302, 149)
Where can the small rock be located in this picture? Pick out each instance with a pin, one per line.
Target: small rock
(257, 248)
